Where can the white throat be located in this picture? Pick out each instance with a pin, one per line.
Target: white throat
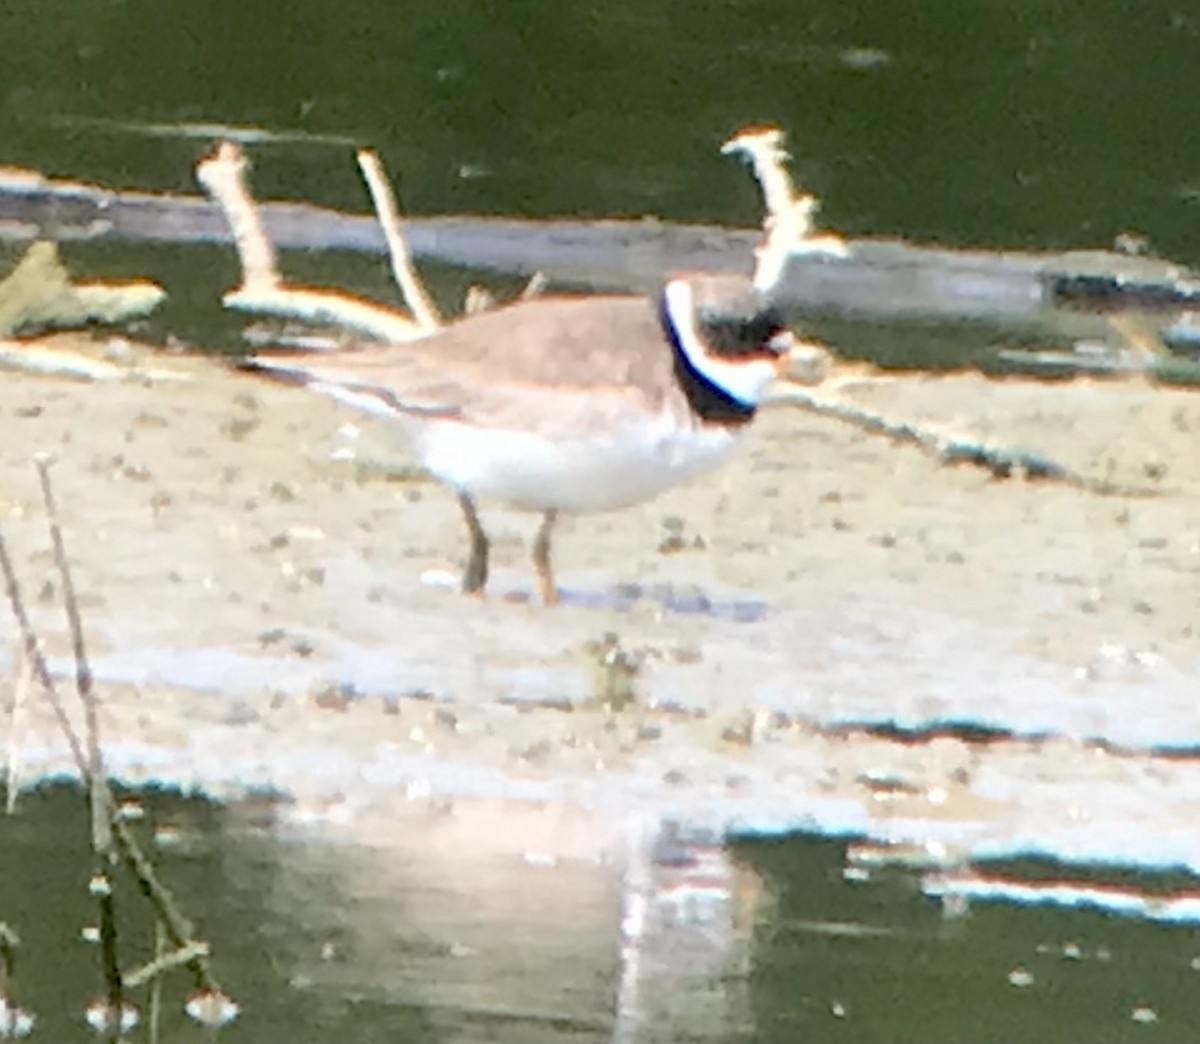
(744, 380)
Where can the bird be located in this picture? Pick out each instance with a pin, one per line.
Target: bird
(566, 403)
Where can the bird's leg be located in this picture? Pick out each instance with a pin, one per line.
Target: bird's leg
(475, 575)
(541, 559)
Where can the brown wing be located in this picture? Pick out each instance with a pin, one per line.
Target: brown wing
(611, 346)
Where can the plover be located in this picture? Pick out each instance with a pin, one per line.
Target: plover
(566, 403)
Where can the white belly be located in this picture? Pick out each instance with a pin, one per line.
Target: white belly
(573, 475)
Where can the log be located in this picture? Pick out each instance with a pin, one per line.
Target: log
(879, 279)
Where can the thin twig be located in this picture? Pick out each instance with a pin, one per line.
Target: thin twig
(15, 723)
(160, 945)
(113, 983)
(537, 283)
(165, 960)
(949, 448)
(100, 798)
(388, 212)
(180, 931)
(479, 299)
(101, 817)
(37, 661)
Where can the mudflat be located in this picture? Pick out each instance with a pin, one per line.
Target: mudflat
(832, 631)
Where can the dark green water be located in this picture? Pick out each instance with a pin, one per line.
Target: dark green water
(311, 939)
(1024, 122)
(1030, 123)
(898, 969)
(318, 941)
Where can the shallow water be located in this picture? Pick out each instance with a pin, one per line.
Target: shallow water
(436, 932)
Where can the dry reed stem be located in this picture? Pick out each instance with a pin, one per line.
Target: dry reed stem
(262, 290)
(388, 212)
(156, 982)
(179, 929)
(12, 773)
(100, 798)
(102, 842)
(37, 661)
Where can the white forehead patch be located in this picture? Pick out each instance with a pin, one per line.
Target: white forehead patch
(745, 380)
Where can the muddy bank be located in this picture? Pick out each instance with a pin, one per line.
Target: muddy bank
(268, 611)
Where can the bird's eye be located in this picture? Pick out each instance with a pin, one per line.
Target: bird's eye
(762, 331)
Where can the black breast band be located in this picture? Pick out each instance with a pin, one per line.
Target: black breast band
(708, 400)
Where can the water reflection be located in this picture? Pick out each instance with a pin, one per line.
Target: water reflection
(446, 930)
(870, 960)
(499, 922)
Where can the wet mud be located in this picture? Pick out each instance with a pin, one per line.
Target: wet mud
(833, 632)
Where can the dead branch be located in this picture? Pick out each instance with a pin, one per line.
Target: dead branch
(949, 447)
(262, 290)
(384, 198)
(17, 355)
(223, 176)
(789, 224)
(318, 306)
